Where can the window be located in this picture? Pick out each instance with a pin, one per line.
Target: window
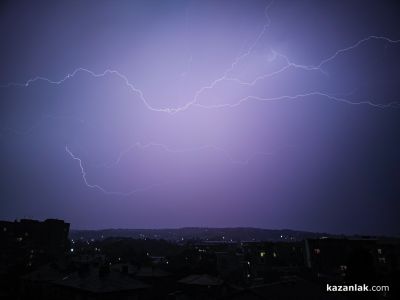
(317, 251)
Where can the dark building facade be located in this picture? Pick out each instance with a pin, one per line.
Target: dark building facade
(32, 238)
(26, 244)
(362, 259)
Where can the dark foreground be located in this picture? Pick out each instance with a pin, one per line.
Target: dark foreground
(40, 260)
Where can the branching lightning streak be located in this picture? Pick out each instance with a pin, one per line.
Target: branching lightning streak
(318, 67)
(289, 64)
(138, 91)
(393, 104)
(166, 148)
(96, 75)
(163, 147)
(232, 66)
(98, 187)
(194, 102)
(355, 45)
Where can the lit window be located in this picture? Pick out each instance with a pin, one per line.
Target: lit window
(379, 251)
(262, 253)
(317, 251)
(274, 254)
(343, 267)
(72, 250)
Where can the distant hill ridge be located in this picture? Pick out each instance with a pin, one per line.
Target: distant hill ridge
(202, 233)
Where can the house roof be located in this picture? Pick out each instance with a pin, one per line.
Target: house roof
(151, 272)
(44, 273)
(205, 280)
(112, 281)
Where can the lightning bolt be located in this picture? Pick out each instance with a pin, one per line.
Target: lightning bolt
(229, 157)
(394, 104)
(318, 67)
(98, 187)
(194, 102)
(236, 61)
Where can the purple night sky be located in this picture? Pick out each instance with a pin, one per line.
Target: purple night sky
(149, 114)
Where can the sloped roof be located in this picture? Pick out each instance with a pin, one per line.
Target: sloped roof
(44, 273)
(151, 272)
(110, 282)
(205, 280)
